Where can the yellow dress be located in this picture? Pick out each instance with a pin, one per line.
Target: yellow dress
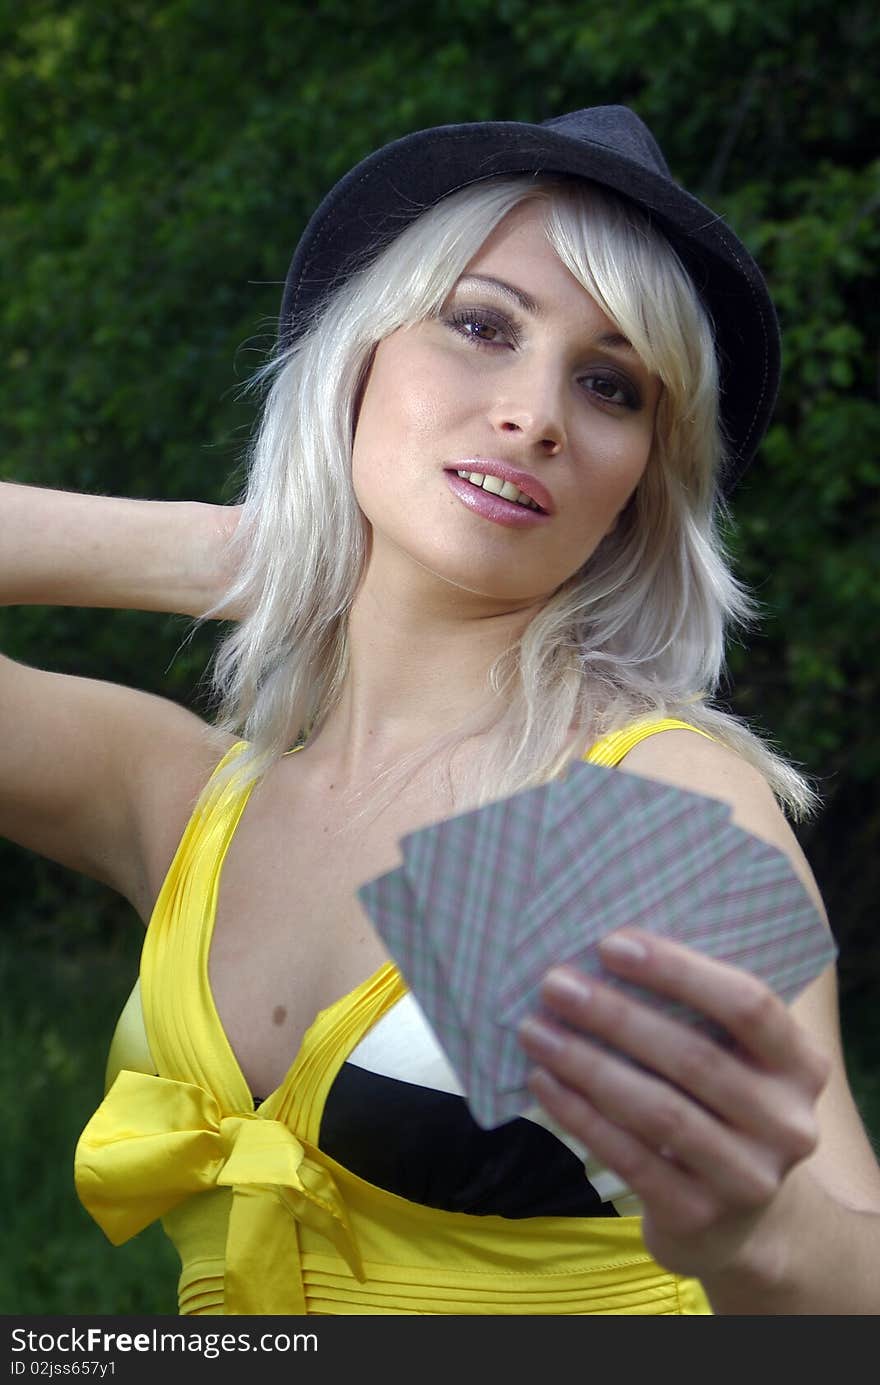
(263, 1220)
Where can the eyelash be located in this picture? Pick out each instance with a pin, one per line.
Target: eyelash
(472, 317)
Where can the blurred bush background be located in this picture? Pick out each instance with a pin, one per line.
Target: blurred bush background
(158, 162)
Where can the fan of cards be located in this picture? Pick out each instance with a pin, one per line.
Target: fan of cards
(487, 901)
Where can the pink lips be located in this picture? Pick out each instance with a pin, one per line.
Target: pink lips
(523, 480)
(493, 507)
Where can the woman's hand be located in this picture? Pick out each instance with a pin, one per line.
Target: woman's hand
(704, 1135)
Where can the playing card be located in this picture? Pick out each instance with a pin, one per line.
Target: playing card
(486, 901)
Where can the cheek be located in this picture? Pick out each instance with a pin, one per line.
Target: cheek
(609, 474)
(614, 460)
(405, 416)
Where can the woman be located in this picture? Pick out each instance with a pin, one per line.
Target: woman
(478, 541)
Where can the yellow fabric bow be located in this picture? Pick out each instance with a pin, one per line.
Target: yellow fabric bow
(154, 1142)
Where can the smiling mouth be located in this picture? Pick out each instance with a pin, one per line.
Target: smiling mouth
(506, 490)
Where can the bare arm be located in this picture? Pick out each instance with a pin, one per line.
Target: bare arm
(60, 548)
(97, 776)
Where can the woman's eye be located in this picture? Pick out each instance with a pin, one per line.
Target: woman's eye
(611, 390)
(483, 328)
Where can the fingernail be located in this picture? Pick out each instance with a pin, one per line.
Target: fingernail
(540, 1083)
(624, 948)
(540, 1035)
(564, 985)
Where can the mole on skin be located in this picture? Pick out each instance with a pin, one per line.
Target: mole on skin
(279, 1014)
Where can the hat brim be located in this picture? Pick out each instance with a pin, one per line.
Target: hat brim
(393, 186)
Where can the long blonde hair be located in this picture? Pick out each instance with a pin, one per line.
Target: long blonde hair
(638, 631)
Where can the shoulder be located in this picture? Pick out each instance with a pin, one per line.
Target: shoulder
(691, 761)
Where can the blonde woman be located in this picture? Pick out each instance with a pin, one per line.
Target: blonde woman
(519, 371)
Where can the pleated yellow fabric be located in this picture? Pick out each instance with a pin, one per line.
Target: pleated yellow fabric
(263, 1221)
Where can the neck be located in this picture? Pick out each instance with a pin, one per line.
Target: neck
(419, 655)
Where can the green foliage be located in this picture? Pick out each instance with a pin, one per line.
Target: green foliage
(158, 162)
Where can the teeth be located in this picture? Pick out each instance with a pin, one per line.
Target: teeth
(494, 484)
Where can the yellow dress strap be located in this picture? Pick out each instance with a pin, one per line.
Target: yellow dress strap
(610, 749)
(184, 1034)
(156, 1140)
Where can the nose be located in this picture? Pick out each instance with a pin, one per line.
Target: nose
(531, 406)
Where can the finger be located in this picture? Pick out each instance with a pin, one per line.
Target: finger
(656, 1180)
(753, 1101)
(739, 1171)
(743, 1005)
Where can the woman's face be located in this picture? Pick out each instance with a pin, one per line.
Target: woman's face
(522, 378)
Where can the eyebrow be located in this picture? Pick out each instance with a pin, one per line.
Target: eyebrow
(530, 305)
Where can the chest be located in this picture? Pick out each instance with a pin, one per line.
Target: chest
(290, 936)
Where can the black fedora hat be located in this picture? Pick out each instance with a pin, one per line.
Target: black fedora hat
(609, 145)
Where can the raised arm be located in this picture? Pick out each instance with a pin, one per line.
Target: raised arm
(60, 548)
(97, 776)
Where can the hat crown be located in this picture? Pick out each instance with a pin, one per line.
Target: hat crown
(616, 127)
(608, 145)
